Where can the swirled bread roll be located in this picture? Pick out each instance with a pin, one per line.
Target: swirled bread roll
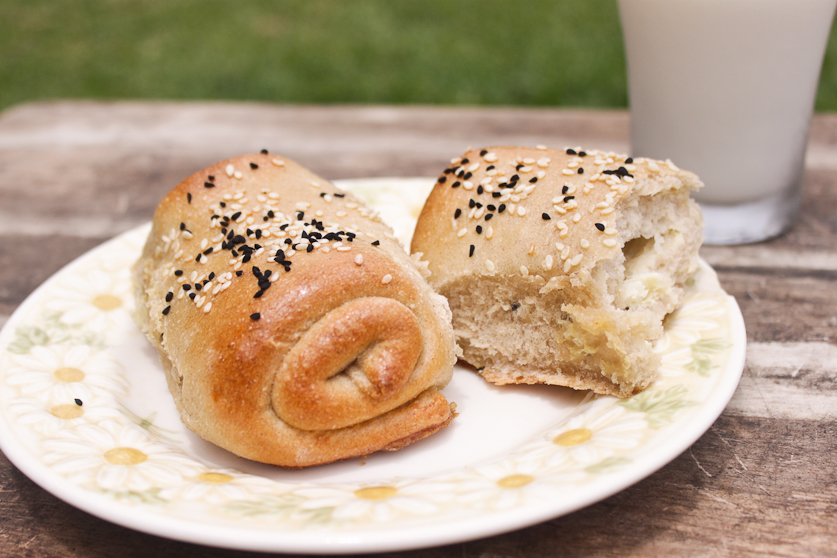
(293, 327)
(560, 266)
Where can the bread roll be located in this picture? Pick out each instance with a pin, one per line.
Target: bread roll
(560, 266)
(292, 326)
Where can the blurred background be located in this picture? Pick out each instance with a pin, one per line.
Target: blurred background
(467, 52)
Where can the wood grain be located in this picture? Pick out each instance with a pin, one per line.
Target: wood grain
(761, 482)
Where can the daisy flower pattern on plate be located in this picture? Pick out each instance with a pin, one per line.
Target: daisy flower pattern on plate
(111, 456)
(698, 314)
(505, 484)
(215, 486)
(599, 433)
(60, 374)
(49, 419)
(100, 300)
(379, 503)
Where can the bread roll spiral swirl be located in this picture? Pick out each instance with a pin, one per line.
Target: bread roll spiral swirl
(293, 328)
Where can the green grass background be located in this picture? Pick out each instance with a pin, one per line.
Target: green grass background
(488, 52)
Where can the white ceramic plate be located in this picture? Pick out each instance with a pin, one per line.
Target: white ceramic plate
(516, 455)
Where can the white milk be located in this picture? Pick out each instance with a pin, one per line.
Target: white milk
(726, 88)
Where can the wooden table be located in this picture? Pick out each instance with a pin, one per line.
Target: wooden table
(761, 481)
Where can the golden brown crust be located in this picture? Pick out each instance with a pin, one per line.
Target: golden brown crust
(559, 265)
(332, 348)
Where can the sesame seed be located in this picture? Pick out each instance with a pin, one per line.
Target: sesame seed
(462, 232)
(490, 157)
(238, 175)
(609, 242)
(489, 265)
(567, 172)
(386, 279)
(521, 211)
(524, 271)
(548, 262)
(585, 243)
(207, 307)
(230, 170)
(359, 259)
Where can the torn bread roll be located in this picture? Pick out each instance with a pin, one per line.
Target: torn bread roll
(560, 265)
(292, 326)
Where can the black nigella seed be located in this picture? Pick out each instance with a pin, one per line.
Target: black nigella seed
(457, 213)
(254, 166)
(565, 189)
(182, 226)
(456, 184)
(464, 161)
(169, 296)
(239, 273)
(568, 198)
(166, 310)
(533, 180)
(255, 316)
(571, 152)
(258, 294)
(600, 226)
(546, 216)
(78, 402)
(263, 152)
(483, 152)
(490, 167)
(580, 170)
(467, 175)
(479, 229)
(515, 178)
(189, 198)
(502, 208)
(496, 194)
(235, 215)
(472, 203)
(178, 273)
(471, 251)
(491, 207)
(629, 160)
(442, 179)
(480, 190)
(209, 185)
(376, 243)
(582, 154)
(193, 295)
(310, 248)
(488, 216)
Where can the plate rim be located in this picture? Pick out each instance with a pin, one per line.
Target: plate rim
(346, 541)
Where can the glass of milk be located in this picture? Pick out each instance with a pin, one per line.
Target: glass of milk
(726, 88)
